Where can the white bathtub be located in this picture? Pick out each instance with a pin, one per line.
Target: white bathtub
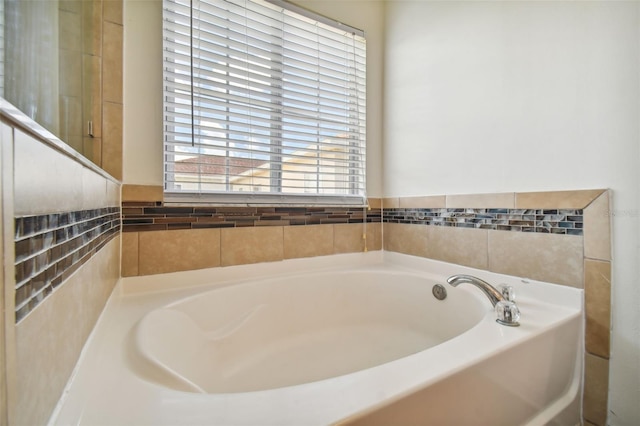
(354, 339)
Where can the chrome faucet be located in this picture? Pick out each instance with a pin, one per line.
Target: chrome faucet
(506, 309)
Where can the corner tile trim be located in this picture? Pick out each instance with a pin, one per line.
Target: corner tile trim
(571, 199)
(550, 221)
(49, 248)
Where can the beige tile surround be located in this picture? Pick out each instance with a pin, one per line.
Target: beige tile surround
(546, 257)
(577, 261)
(50, 339)
(147, 193)
(596, 387)
(154, 252)
(161, 252)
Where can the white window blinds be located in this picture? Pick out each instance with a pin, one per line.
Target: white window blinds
(262, 102)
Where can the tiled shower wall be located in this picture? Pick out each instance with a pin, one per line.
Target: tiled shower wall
(62, 223)
(559, 237)
(90, 79)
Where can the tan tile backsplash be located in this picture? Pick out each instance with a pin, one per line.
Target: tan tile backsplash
(556, 199)
(347, 238)
(456, 245)
(437, 201)
(129, 266)
(153, 252)
(544, 257)
(308, 241)
(407, 239)
(151, 193)
(112, 11)
(597, 286)
(391, 203)
(375, 203)
(70, 5)
(502, 200)
(596, 383)
(177, 250)
(597, 224)
(241, 246)
(374, 236)
(463, 246)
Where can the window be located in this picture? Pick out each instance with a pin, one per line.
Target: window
(262, 99)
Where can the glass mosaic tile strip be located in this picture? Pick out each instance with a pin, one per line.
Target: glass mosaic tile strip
(49, 248)
(144, 217)
(550, 221)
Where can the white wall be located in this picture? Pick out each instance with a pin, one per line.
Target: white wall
(524, 96)
(143, 85)
(142, 88)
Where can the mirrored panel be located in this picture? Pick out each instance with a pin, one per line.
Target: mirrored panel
(50, 67)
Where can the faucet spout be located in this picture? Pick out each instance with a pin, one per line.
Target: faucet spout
(494, 295)
(506, 310)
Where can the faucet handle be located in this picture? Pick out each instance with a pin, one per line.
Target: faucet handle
(507, 292)
(507, 313)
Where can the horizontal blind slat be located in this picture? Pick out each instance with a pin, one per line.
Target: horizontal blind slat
(293, 109)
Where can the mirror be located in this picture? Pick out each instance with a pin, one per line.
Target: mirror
(50, 67)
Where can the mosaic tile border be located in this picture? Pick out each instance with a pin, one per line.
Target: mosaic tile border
(154, 216)
(138, 216)
(549, 221)
(49, 248)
